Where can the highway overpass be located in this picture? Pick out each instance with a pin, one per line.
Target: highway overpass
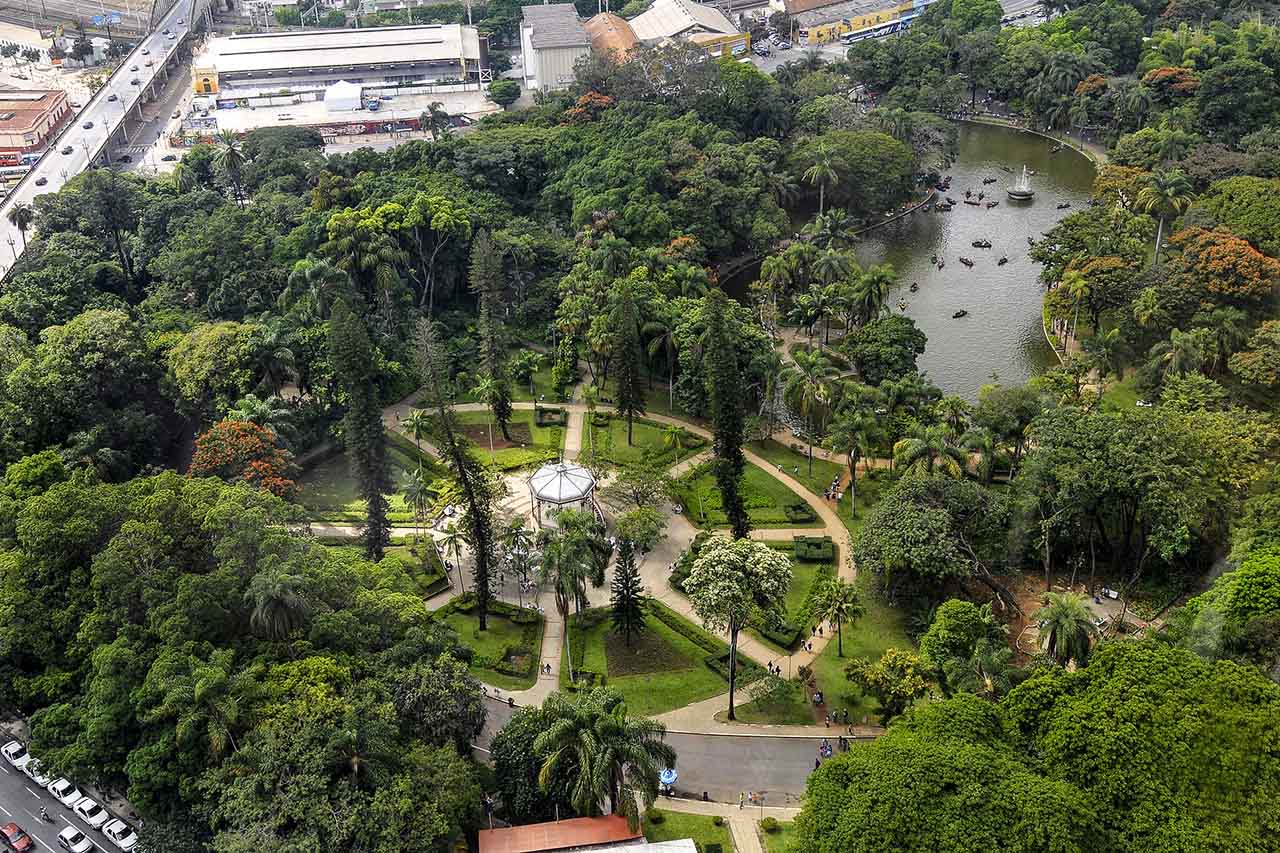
(101, 124)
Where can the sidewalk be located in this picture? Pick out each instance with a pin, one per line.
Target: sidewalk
(742, 820)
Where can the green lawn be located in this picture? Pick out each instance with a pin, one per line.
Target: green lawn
(803, 575)
(328, 489)
(1121, 395)
(544, 443)
(541, 387)
(677, 679)
(764, 495)
(701, 828)
(776, 842)
(491, 644)
(779, 454)
(794, 710)
(647, 437)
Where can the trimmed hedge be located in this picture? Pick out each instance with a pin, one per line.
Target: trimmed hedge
(814, 549)
(530, 632)
(547, 417)
(717, 659)
(800, 513)
(684, 563)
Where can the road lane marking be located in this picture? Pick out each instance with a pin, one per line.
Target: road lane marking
(6, 811)
(32, 793)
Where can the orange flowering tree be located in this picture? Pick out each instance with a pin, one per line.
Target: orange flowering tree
(241, 450)
(1220, 267)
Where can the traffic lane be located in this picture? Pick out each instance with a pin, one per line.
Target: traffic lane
(20, 802)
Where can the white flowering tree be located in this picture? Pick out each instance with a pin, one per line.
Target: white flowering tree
(731, 580)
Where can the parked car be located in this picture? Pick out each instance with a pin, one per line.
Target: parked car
(67, 149)
(149, 63)
(169, 158)
(135, 81)
(133, 68)
(34, 773)
(145, 51)
(16, 837)
(65, 791)
(121, 835)
(170, 36)
(181, 21)
(112, 97)
(784, 45)
(176, 113)
(91, 813)
(75, 841)
(125, 158)
(88, 125)
(16, 754)
(761, 50)
(41, 181)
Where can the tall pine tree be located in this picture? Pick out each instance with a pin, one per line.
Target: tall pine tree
(352, 357)
(478, 487)
(629, 358)
(628, 598)
(486, 283)
(725, 395)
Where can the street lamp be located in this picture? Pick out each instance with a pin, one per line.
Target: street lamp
(11, 243)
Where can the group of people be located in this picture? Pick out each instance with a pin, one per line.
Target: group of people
(834, 492)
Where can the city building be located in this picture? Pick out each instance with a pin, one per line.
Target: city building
(611, 35)
(820, 21)
(552, 40)
(608, 834)
(25, 38)
(684, 20)
(30, 118)
(255, 64)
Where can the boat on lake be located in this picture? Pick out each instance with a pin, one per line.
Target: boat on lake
(991, 204)
(1004, 259)
(959, 314)
(982, 244)
(966, 262)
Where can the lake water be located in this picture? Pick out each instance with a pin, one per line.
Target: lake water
(1002, 334)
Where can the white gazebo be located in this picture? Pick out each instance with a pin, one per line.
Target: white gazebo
(559, 485)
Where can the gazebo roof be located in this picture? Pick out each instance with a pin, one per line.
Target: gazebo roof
(562, 483)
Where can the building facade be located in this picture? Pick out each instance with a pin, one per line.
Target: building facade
(552, 40)
(29, 119)
(25, 38)
(820, 21)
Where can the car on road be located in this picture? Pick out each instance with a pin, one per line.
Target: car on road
(112, 97)
(125, 158)
(149, 63)
(41, 181)
(761, 50)
(135, 81)
(67, 149)
(16, 837)
(181, 21)
(65, 792)
(133, 68)
(164, 32)
(169, 158)
(145, 51)
(88, 125)
(170, 36)
(22, 77)
(121, 835)
(176, 113)
(74, 840)
(35, 774)
(16, 754)
(91, 813)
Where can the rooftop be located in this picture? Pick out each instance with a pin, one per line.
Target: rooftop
(21, 108)
(610, 32)
(321, 49)
(810, 12)
(557, 835)
(555, 25)
(669, 18)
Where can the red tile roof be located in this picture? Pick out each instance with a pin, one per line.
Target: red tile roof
(557, 835)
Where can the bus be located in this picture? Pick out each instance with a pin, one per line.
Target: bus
(30, 158)
(13, 173)
(888, 28)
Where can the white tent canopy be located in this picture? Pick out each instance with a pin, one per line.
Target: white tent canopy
(342, 97)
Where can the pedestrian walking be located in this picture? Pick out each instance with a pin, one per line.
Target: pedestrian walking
(817, 762)
(828, 720)
(751, 798)
(741, 798)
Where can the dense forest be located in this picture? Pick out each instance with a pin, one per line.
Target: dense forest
(171, 345)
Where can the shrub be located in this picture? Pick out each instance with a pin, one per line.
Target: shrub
(712, 848)
(717, 821)
(654, 816)
(770, 825)
(545, 417)
(814, 549)
(800, 513)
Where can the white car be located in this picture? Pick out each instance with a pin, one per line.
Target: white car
(65, 792)
(74, 840)
(121, 835)
(90, 812)
(16, 754)
(33, 773)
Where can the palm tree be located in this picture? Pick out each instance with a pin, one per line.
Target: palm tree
(205, 699)
(673, 438)
(436, 120)
(823, 300)
(982, 441)
(954, 412)
(418, 424)
(275, 363)
(930, 447)
(662, 338)
(526, 362)
(1167, 193)
(417, 496)
(804, 313)
(20, 216)
(279, 605)
(272, 413)
(230, 158)
(985, 673)
(1230, 329)
(313, 287)
(1078, 289)
(828, 229)
(453, 540)
(836, 601)
(853, 432)
(590, 398)
(822, 172)
(1066, 627)
(1103, 347)
(1181, 354)
(807, 386)
(612, 756)
(873, 291)
(184, 178)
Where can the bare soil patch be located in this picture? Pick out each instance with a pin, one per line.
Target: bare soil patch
(478, 434)
(649, 652)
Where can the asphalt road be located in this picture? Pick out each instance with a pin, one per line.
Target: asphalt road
(57, 168)
(20, 802)
(721, 765)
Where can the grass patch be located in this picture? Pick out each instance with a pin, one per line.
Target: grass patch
(329, 491)
(495, 643)
(701, 828)
(610, 442)
(542, 387)
(674, 680)
(543, 443)
(766, 499)
(1121, 395)
(777, 842)
(779, 454)
(794, 710)
(794, 606)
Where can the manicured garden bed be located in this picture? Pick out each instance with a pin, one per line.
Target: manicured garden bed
(542, 443)
(805, 574)
(507, 652)
(768, 501)
(701, 828)
(648, 437)
(779, 454)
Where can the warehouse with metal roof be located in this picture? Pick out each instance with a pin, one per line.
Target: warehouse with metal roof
(552, 40)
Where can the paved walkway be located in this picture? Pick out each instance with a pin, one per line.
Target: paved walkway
(743, 820)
